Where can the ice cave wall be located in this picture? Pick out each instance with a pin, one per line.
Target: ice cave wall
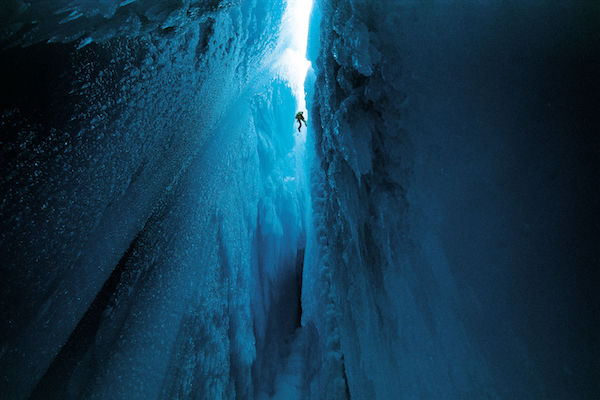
(142, 166)
(151, 213)
(455, 198)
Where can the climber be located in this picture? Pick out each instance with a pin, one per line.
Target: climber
(300, 119)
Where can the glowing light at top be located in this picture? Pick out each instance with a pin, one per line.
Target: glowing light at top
(293, 64)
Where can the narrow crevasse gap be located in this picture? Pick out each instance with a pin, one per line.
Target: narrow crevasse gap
(280, 368)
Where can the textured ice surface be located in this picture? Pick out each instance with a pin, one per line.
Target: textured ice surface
(145, 177)
(29, 22)
(154, 218)
(448, 258)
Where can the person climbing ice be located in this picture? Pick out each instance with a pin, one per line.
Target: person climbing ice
(300, 119)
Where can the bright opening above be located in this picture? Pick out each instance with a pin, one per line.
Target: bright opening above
(293, 64)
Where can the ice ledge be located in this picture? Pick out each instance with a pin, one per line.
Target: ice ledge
(26, 23)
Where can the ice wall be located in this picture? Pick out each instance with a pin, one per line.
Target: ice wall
(455, 199)
(64, 21)
(148, 198)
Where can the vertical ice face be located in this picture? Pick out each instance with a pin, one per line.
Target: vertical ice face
(454, 229)
(158, 238)
(84, 22)
(150, 212)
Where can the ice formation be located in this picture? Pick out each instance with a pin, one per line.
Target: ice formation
(142, 190)
(167, 233)
(448, 160)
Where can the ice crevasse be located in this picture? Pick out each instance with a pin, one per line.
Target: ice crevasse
(166, 232)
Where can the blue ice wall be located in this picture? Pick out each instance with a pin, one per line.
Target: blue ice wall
(149, 204)
(455, 197)
(155, 236)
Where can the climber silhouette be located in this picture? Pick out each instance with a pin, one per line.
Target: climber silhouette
(300, 119)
